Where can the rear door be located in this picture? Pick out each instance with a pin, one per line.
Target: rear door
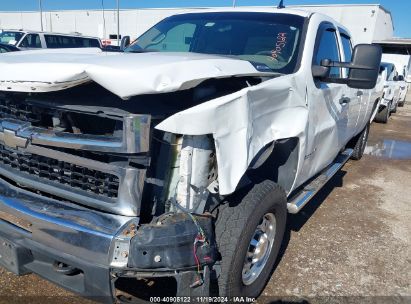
(357, 100)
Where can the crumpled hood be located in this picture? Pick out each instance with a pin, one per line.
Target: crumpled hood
(124, 74)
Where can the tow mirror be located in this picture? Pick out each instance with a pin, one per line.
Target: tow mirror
(365, 64)
(363, 68)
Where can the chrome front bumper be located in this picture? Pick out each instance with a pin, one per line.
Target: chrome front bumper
(36, 233)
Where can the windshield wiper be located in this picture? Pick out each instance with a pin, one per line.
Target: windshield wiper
(140, 51)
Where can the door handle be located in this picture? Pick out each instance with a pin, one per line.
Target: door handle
(344, 101)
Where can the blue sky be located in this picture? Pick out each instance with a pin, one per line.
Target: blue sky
(400, 9)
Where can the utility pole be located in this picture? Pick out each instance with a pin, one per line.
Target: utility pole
(104, 20)
(118, 22)
(41, 15)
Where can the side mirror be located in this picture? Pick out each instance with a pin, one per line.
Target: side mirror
(125, 42)
(365, 64)
(395, 78)
(400, 78)
(363, 68)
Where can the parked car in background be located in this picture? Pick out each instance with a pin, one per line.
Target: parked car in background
(31, 40)
(403, 90)
(402, 64)
(378, 91)
(111, 48)
(389, 102)
(5, 48)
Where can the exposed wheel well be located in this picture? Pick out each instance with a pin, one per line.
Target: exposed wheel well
(279, 166)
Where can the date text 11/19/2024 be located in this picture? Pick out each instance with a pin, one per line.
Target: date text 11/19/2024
(202, 300)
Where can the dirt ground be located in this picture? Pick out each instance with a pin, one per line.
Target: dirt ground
(351, 244)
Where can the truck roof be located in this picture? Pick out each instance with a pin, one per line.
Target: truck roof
(274, 10)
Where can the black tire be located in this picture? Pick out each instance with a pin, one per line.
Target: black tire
(360, 143)
(383, 115)
(395, 108)
(401, 104)
(236, 224)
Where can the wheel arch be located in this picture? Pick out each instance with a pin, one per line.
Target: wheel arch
(278, 162)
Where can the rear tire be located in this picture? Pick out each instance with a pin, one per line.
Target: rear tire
(383, 115)
(244, 224)
(360, 144)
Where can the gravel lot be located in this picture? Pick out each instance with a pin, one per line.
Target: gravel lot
(351, 244)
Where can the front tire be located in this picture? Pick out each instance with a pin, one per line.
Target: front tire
(360, 143)
(249, 232)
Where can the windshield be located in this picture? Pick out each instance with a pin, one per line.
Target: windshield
(9, 37)
(269, 40)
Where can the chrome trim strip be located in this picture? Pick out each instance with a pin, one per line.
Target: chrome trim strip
(134, 138)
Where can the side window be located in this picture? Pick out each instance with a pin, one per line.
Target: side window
(391, 73)
(50, 41)
(347, 47)
(327, 48)
(86, 42)
(31, 41)
(59, 42)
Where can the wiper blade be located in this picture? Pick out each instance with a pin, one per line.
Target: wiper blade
(140, 51)
(262, 67)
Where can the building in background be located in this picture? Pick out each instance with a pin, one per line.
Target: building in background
(366, 22)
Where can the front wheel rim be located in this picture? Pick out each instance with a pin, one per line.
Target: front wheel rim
(259, 249)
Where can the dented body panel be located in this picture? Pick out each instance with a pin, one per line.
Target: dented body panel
(119, 73)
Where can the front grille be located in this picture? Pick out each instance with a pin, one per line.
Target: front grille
(20, 111)
(92, 181)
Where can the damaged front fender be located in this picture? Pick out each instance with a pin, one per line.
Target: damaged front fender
(243, 123)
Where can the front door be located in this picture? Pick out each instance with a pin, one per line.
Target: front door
(330, 116)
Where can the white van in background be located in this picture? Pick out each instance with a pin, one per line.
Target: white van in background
(31, 40)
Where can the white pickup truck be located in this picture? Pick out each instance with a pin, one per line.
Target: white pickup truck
(391, 92)
(173, 165)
